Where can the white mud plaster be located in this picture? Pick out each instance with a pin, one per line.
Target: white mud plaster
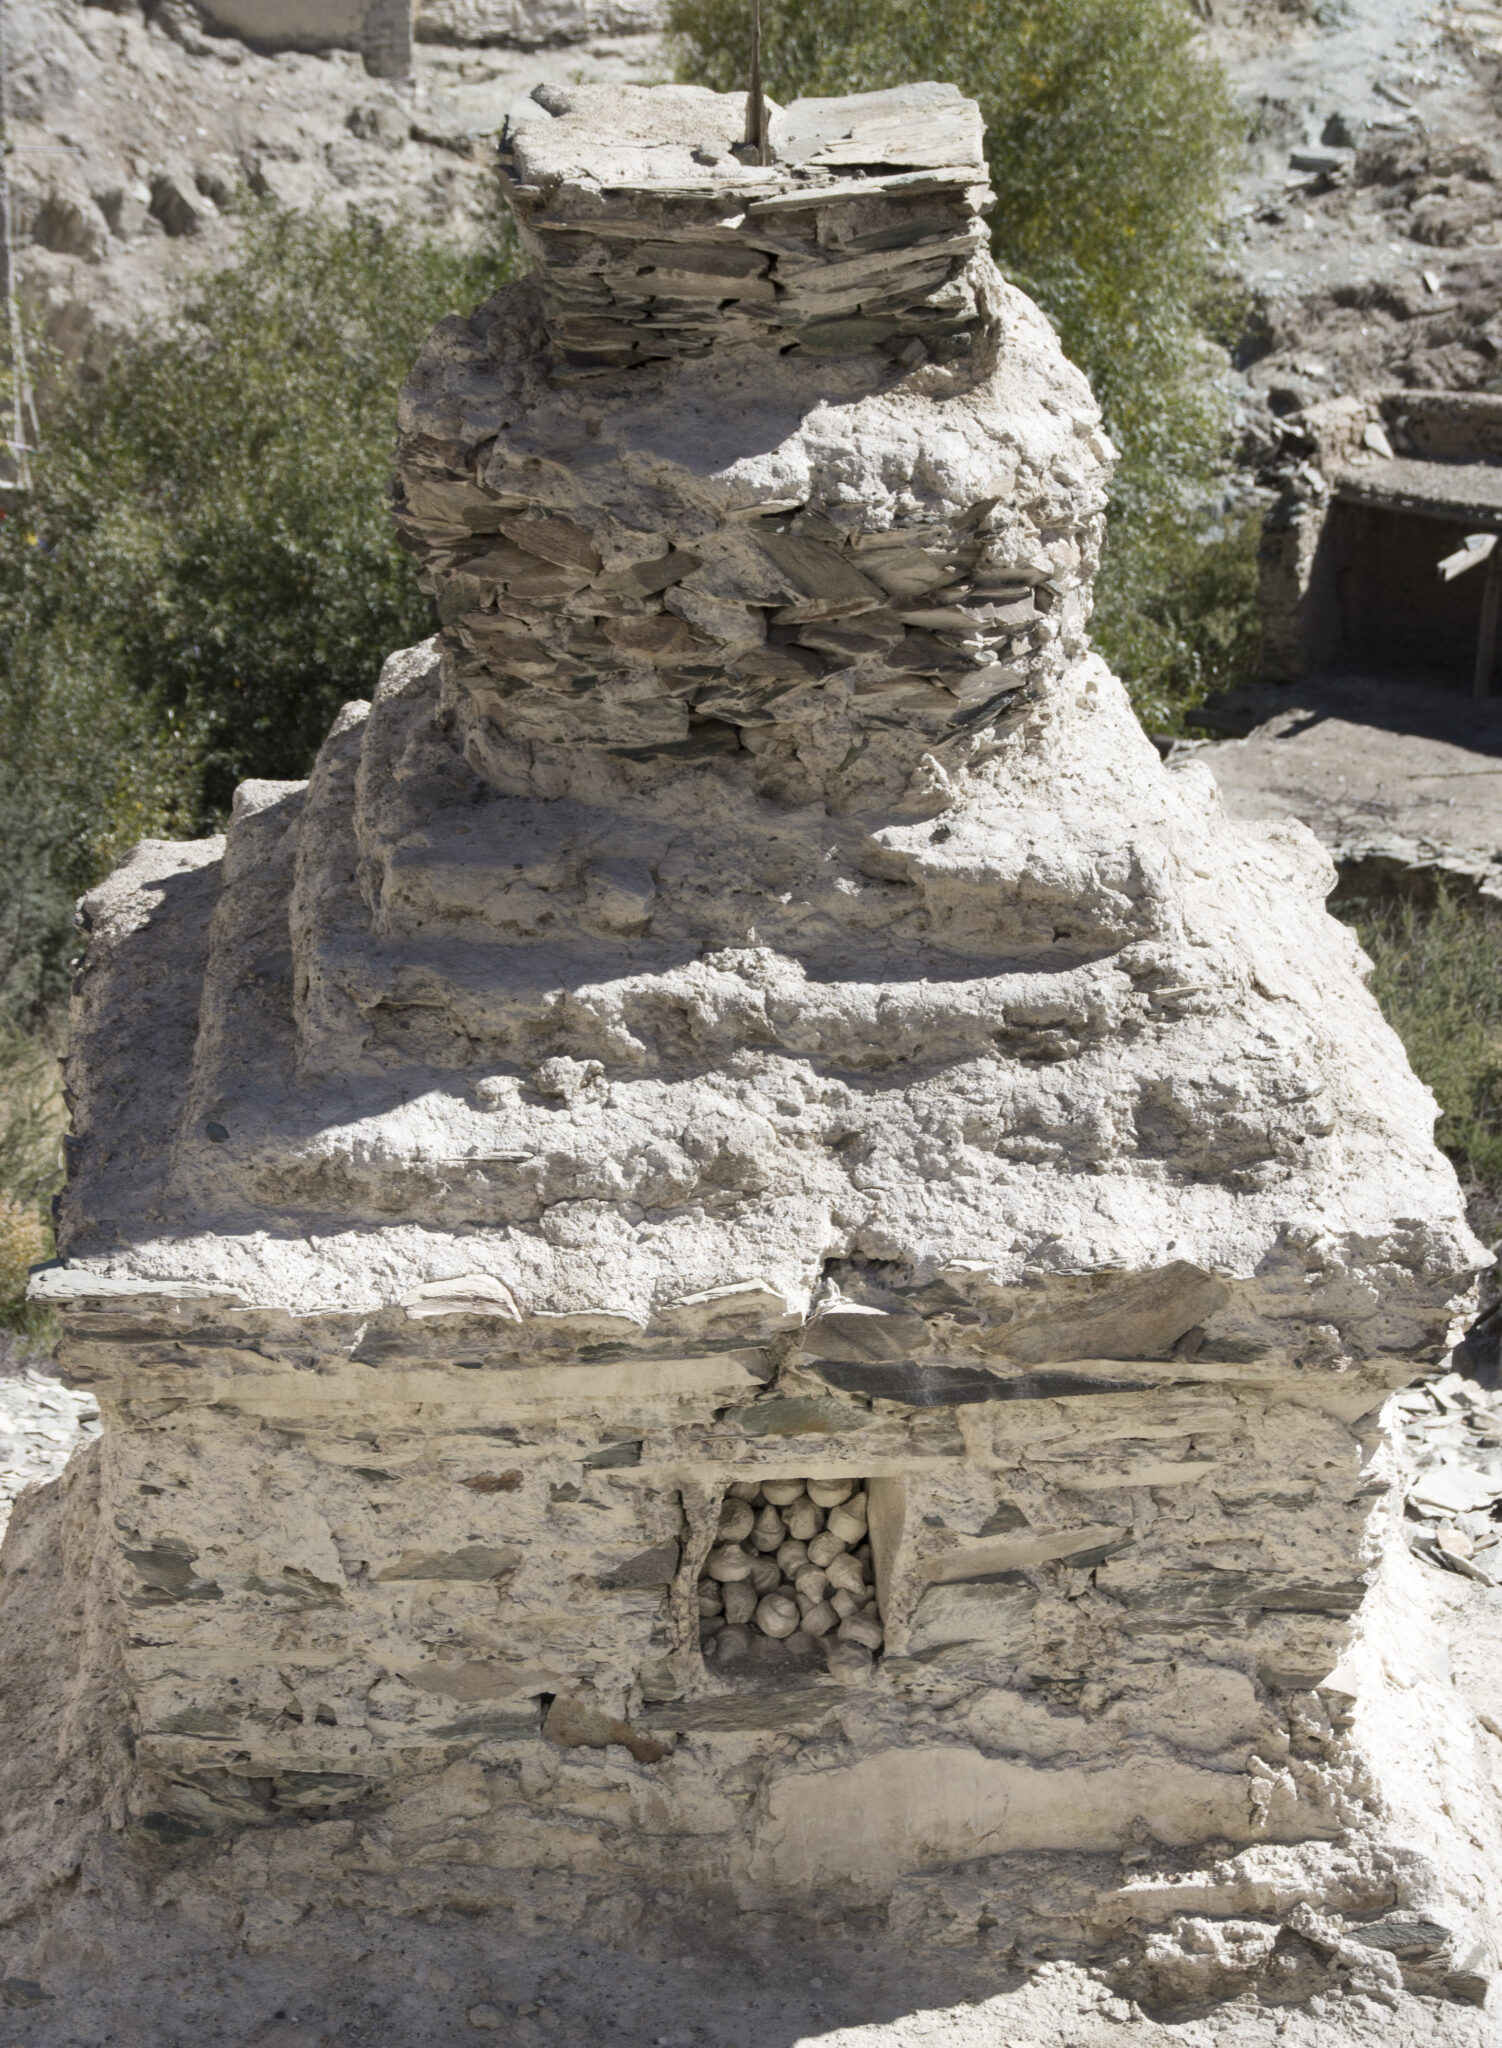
(744, 1024)
(42, 1423)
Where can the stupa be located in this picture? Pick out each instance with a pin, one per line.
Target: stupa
(745, 1230)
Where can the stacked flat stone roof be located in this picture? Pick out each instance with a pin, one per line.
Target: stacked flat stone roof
(657, 236)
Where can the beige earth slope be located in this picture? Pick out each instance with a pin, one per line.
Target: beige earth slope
(1368, 225)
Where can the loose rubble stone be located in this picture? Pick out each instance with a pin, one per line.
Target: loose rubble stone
(748, 992)
(787, 1604)
(1452, 1435)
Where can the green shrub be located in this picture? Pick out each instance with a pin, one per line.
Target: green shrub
(213, 516)
(91, 767)
(205, 567)
(1176, 610)
(1110, 137)
(1438, 978)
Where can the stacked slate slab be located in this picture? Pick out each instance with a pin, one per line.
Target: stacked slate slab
(743, 1024)
(857, 234)
(737, 619)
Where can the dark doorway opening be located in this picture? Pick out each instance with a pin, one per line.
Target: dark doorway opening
(1382, 607)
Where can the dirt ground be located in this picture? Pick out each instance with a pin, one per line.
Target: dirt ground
(1384, 268)
(343, 1980)
(1398, 773)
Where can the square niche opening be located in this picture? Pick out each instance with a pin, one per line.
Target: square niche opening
(789, 1587)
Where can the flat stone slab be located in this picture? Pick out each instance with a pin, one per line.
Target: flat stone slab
(795, 1710)
(1393, 773)
(1437, 490)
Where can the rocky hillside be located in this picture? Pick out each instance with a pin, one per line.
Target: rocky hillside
(138, 137)
(1368, 227)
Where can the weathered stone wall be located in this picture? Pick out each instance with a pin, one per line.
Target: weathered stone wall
(745, 1016)
(381, 30)
(1327, 571)
(532, 24)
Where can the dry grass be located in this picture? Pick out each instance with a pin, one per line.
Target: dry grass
(33, 1118)
(24, 1239)
(1438, 977)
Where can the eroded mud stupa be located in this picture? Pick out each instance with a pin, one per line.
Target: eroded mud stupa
(744, 1251)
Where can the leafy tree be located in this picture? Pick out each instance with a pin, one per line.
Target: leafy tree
(212, 518)
(205, 566)
(1110, 136)
(1176, 605)
(33, 1118)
